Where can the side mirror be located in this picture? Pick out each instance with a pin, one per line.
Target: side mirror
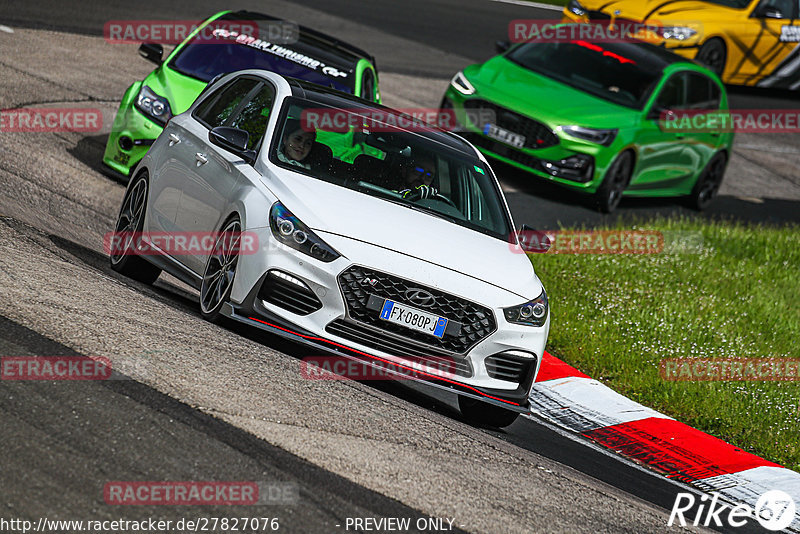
(233, 140)
(659, 112)
(501, 46)
(152, 52)
(534, 240)
(768, 12)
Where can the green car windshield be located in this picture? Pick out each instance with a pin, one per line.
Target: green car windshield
(353, 149)
(204, 61)
(617, 72)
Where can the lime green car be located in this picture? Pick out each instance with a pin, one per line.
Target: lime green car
(591, 117)
(172, 87)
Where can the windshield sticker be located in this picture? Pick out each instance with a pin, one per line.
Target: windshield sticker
(790, 34)
(280, 51)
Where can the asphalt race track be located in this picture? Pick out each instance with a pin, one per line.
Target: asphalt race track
(194, 401)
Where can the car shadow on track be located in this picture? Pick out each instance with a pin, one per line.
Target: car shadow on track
(89, 151)
(546, 206)
(179, 299)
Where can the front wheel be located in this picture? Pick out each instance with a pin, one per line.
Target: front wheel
(485, 414)
(609, 194)
(123, 254)
(709, 182)
(713, 55)
(220, 270)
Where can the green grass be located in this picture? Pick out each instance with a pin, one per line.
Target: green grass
(616, 317)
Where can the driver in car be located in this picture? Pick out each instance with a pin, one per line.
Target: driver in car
(296, 144)
(419, 175)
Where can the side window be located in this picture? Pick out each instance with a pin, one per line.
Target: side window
(368, 85)
(255, 114)
(703, 93)
(777, 9)
(673, 94)
(220, 105)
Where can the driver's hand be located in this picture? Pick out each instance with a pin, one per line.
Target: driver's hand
(419, 192)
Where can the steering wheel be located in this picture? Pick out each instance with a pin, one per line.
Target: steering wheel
(442, 198)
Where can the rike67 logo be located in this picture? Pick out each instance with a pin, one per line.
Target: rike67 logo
(774, 510)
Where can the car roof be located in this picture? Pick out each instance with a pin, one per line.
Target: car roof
(311, 42)
(334, 98)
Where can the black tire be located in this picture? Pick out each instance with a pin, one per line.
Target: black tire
(713, 54)
(220, 270)
(708, 183)
(130, 223)
(484, 414)
(609, 194)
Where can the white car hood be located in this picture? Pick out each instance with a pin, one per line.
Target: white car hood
(330, 209)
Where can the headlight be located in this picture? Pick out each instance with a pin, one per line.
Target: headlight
(601, 137)
(290, 231)
(461, 84)
(677, 33)
(533, 313)
(154, 106)
(576, 8)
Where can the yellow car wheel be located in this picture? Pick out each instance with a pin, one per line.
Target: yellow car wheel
(713, 54)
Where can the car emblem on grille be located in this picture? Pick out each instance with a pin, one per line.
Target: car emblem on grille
(420, 297)
(370, 281)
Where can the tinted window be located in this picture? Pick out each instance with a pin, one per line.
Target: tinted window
(673, 94)
(621, 73)
(368, 85)
(206, 60)
(786, 8)
(220, 105)
(255, 114)
(702, 93)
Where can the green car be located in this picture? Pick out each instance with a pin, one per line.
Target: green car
(172, 87)
(597, 118)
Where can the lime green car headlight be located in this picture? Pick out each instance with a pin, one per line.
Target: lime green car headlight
(461, 84)
(601, 137)
(154, 106)
(533, 313)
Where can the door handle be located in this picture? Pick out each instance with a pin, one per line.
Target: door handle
(174, 139)
(201, 158)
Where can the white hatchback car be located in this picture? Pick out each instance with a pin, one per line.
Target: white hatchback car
(388, 245)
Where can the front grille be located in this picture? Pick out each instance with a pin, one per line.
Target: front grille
(537, 134)
(476, 322)
(508, 367)
(397, 346)
(503, 150)
(289, 293)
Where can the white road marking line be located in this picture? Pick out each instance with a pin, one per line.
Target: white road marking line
(551, 7)
(6, 29)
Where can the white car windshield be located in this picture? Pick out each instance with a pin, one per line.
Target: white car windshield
(384, 159)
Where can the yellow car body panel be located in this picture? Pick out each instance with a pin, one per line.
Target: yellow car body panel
(760, 50)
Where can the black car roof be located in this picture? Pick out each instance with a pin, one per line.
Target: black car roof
(312, 42)
(331, 97)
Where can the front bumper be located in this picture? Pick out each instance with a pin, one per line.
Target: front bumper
(131, 136)
(542, 162)
(297, 317)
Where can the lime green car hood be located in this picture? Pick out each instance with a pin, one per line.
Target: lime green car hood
(514, 87)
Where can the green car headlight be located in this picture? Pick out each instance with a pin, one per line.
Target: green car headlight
(576, 8)
(601, 137)
(677, 33)
(290, 231)
(533, 313)
(461, 84)
(154, 106)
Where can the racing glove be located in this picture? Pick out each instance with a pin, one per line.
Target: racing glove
(419, 192)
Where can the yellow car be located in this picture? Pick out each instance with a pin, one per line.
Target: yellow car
(746, 42)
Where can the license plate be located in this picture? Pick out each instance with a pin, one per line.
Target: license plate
(504, 136)
(412, 318)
